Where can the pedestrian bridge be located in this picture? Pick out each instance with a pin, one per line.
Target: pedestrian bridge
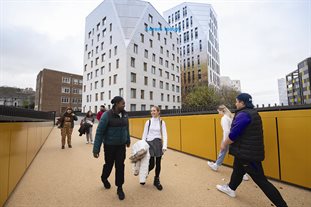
(35, 171)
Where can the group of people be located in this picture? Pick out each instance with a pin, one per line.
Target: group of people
(242, 137)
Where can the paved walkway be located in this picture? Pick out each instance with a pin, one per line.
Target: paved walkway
(71, 177)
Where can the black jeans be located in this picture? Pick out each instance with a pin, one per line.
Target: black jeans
(158, 165)
(255, 170)
(114, 154)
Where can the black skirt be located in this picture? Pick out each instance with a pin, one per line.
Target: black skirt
(155, 149)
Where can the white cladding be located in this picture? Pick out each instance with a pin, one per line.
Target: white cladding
(282, 91)
(203, 19)
(124, 57)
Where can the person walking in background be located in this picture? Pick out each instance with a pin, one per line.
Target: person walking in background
(113, 132)
(156, 136)
(66, 125)
(226, 121)
(100, 113)
(88, 122)
(247, 147)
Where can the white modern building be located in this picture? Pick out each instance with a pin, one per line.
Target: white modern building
(226, 81)
(282, 91)
(197, 28)
(130, 51)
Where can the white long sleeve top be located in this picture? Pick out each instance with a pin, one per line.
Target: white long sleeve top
(226, 125)
(155, 132)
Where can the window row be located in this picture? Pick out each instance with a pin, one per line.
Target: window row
(65, 99)
(74, 80)
(191, 77)
(142, 94)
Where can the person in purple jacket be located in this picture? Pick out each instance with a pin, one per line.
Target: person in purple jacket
(247, 147)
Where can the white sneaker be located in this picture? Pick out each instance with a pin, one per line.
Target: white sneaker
(212, 165)
(87, 142)
(227, 190)
(92, 142)
(245, 177)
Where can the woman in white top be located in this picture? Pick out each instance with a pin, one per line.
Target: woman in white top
(226, 121)
(156, 136)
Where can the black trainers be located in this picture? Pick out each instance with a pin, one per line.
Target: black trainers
(157, 183)
(63, 147)
(120, 193)
(142, 183)
(106, 184)
(70, 146)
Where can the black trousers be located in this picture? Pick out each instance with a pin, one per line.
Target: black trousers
(157, 164)
(114, 154)
(255, 170)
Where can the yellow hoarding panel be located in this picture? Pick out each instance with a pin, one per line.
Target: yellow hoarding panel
(198, 136)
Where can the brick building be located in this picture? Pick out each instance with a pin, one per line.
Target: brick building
(56, 90)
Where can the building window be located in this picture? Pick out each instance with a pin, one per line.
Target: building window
(145, 66)
(133, 93)
(65, 99)
(142, 38)
(153, 69)
(133, 107)
(162, 97)
(165, 41)
(121, 92)
(96, 96)
(132, 62)
(104, 32)
(196, 33)
(102, 83)
(150, 18)
(161, 49)
(66, 80)
(102, 94)
(110, 39)
(200, 45)
(117, 63)
(96, 84)
(109, 95)
(150, 43)
(161, 84)
(110, 27)
(109, 80)
(65, 90)
(153, 57)
(167, 75)
(135, 48)
(115, 79)
(146, 80)
(168, 97)
(160, 72)
(151, 95)
(104, 21)
(142, 94)
(103, 57)
(115, 50)
(154, 82)
(133, 77)
(161, 61)
(146, 53)
(143, 107)
(109, 67)
(167, 86)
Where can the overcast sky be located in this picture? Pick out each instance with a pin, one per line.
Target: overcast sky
(260, 41)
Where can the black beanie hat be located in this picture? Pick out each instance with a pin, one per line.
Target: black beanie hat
(247, 99)
(116, 100)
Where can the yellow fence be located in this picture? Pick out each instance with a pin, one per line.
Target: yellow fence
(287, 138)
(19, 143)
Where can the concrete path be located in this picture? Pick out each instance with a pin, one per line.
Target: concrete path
(71, 177)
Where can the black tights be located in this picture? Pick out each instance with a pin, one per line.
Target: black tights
(158, 165)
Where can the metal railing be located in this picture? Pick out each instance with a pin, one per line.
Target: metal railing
(205, 110)
(14, 114)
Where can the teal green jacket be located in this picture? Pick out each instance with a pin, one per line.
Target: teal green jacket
(112, 130)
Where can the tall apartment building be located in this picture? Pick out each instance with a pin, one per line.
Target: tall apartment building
(299, 84)
(226, 81)
(130, 51)
(56, 90)
(282, 92)
(197, 27)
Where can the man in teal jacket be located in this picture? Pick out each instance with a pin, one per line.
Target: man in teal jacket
(113, 132)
